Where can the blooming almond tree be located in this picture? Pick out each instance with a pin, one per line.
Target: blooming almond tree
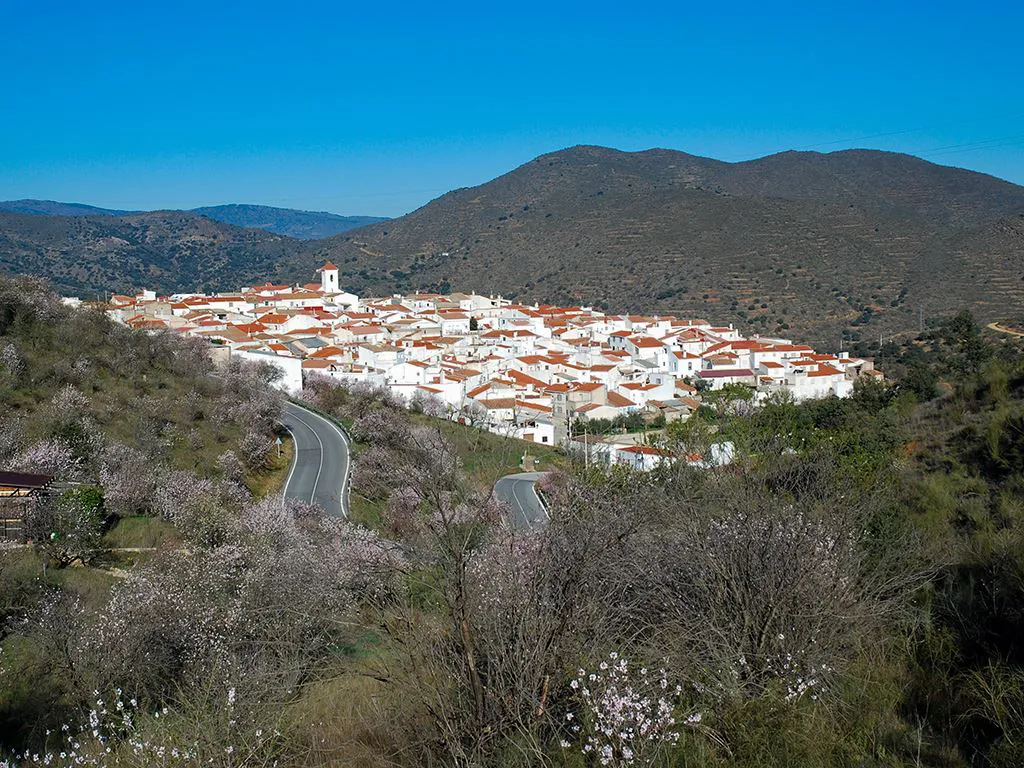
(382, 426)
(259, 609)
(430, 405)
(128, 480)
(625, 716)
(12, 367)
(119, 731)
(49, 457)
(11, 435)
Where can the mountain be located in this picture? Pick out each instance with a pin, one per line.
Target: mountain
(53, 208)
(302, 225)
(856, 243)
(167, 251)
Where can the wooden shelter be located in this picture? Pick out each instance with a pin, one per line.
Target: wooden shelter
(18, 490)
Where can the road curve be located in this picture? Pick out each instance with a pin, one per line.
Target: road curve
(320, 467)
(518, 493)
(997, 326)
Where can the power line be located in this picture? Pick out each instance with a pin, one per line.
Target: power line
(916, 130)
(974, 147)
(886, 134)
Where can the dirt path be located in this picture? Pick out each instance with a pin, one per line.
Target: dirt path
(1005, 329)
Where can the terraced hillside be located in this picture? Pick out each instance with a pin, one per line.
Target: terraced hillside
(300, 225)
(169, 251)
(856, 243)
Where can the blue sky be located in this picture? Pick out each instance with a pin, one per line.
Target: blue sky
(376, 109)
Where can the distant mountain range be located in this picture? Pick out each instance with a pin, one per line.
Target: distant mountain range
(301, 225)
(168, 251)
(858, 244)
(53, 208)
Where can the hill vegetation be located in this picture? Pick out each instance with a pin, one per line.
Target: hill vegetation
(88, 401)
(853, 245)
(301, 225)
(850, 593)
(88, 256)
(54, 208)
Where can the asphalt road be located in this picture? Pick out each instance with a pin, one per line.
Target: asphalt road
(518, 493)
(320, 469)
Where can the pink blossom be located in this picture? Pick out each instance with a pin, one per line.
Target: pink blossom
(48, 457)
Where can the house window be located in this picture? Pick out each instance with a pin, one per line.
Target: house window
(544, 439)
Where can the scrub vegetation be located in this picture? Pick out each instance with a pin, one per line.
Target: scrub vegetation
(849, 592)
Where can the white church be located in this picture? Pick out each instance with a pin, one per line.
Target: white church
(329, 288)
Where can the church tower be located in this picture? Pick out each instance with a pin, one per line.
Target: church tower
(328, 278)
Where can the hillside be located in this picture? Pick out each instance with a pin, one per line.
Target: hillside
(301, 225)
(166, 251)
(53, 208)
(857, 244)
(805, 243)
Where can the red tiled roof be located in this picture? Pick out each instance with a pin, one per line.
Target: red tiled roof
(645, 450)
(825, 370)
(619, 401)
(725, 373)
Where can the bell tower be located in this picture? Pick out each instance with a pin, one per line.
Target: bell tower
(328, 278)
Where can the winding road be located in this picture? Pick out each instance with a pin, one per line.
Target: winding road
(1005, 329)
(320, 468)
(518, 493)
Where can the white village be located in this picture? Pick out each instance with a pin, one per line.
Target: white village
(539, 373)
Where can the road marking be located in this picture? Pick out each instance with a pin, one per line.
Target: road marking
(517, 501)
(316, 480)
(295, 463)
(540, 501)
(345, 442)
(346, 463)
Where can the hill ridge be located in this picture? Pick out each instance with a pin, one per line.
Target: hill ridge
(851, 242)
(291, 222)
(846, 244)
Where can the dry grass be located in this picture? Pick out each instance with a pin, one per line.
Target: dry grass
(355, 719)
(140, 532)
(271, 478)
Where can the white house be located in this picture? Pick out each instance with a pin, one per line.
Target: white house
(643, 458)
(290, 368)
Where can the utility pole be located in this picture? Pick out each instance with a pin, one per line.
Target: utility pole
(586, 447)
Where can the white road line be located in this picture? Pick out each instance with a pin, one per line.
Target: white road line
(295, 463)
(319, 469)
(345, 442)
(540, 501)
(519, 502)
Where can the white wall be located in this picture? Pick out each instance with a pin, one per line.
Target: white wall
(290, 367)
